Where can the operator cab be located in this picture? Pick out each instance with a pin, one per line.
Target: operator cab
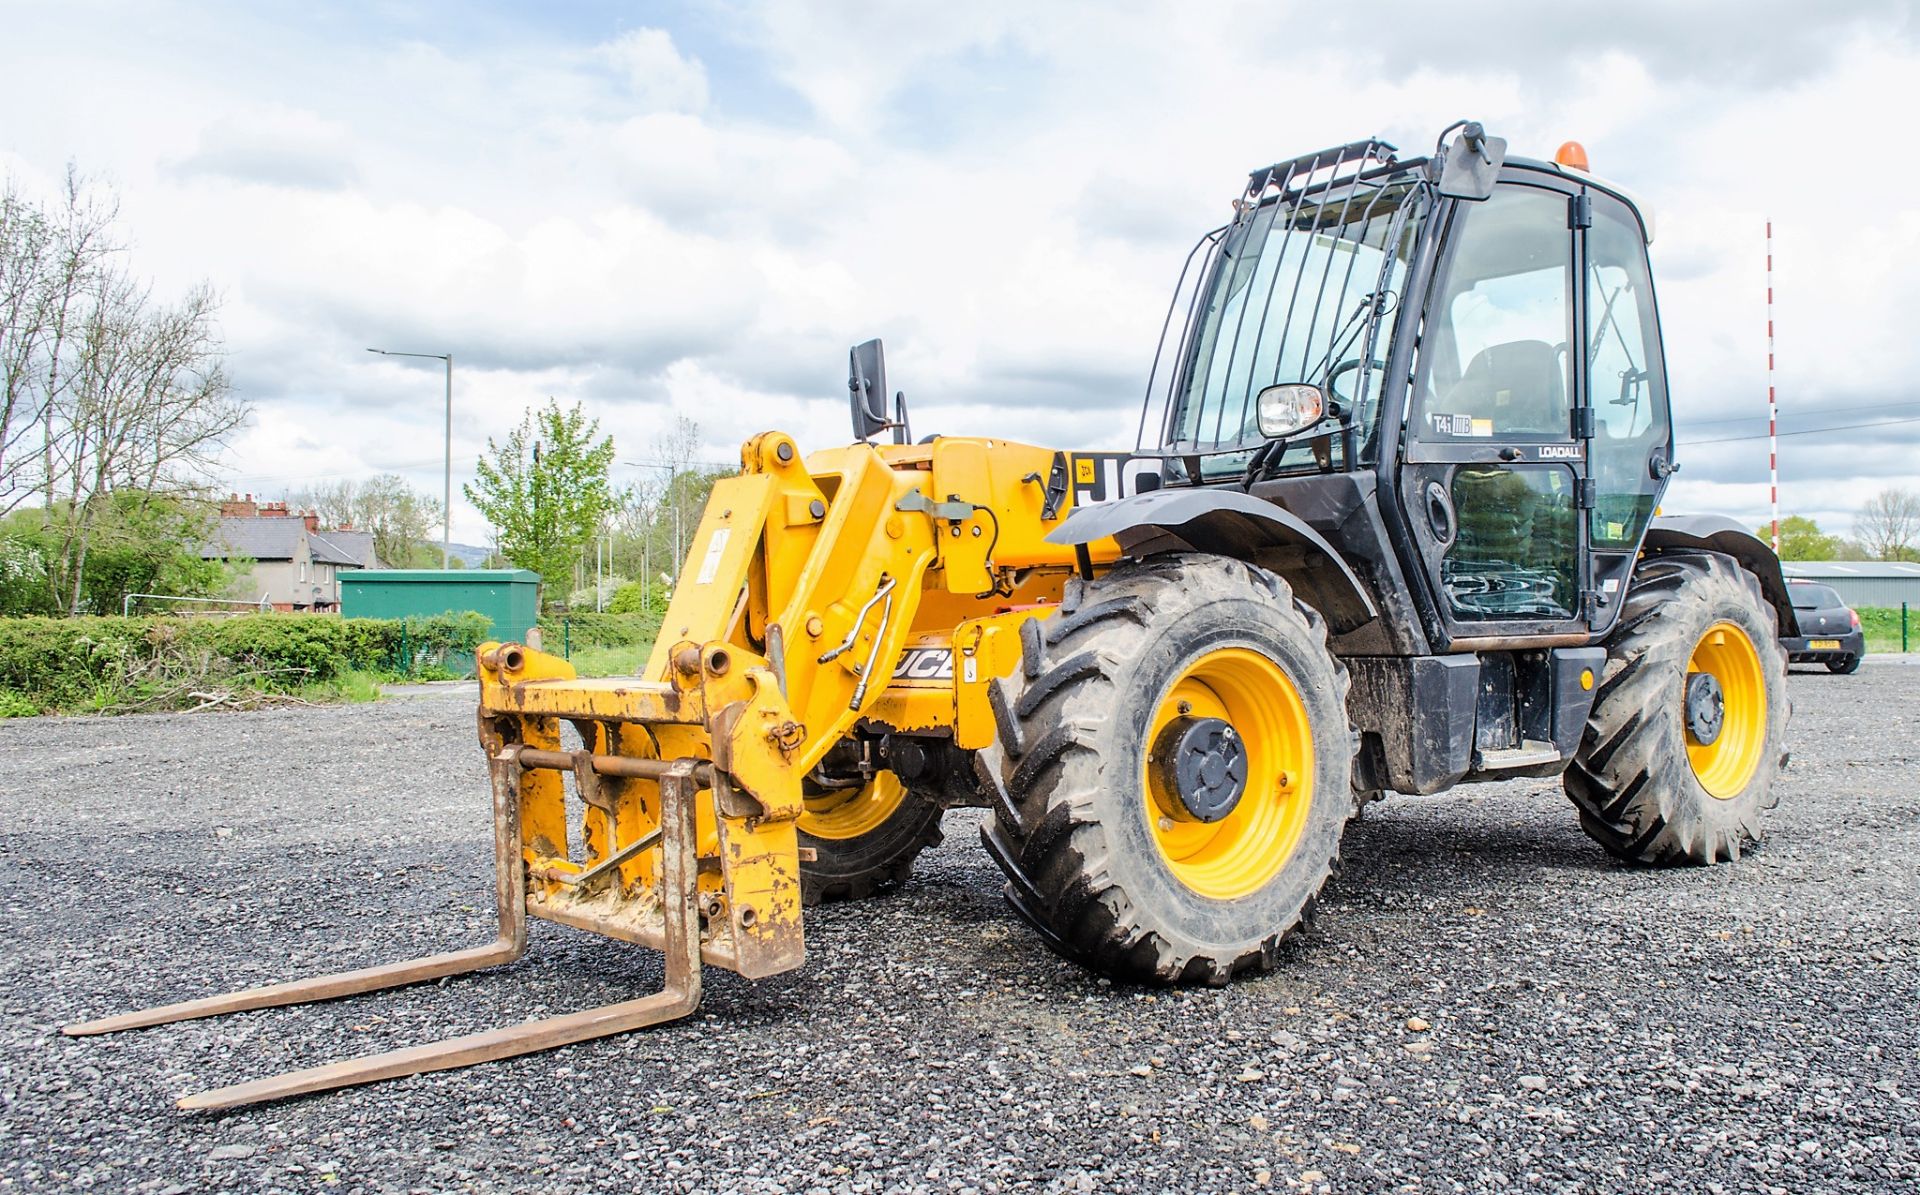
(1474, 331)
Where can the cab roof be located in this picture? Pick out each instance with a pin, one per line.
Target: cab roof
(1588, 178)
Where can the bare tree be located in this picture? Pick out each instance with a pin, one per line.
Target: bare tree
(26, 249)
(337, 503)
(675, 450)
(110, 399)
(50, 261)
(631, 520)
(1888, 526)
(146, 409)
(401, 518)
(658, 514)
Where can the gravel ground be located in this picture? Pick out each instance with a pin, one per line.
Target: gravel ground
(1487, 1002)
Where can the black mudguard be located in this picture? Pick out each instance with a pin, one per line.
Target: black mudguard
(1224, 523)
(1717, 533)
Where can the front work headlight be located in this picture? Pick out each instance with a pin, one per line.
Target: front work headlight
(1289, 408)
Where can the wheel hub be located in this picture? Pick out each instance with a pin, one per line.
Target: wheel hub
(1706, 708)
(1203, 766)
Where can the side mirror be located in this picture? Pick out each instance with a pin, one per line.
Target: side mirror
(867, 389)
(1472, 163)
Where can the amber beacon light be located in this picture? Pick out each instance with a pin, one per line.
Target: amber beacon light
(1572, 155)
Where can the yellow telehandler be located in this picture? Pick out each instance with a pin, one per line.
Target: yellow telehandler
(1389, 524)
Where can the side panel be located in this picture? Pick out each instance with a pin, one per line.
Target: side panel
(1416, 719)
(1428, 723)
(1346, 509)
(940, 682)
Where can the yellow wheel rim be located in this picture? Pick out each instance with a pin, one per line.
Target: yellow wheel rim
(851, 812)
(1241, 852)
(1724, 766)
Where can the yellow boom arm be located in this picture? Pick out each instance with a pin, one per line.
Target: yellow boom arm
(804, 584)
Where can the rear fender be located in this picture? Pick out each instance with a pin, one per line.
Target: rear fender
(1717, 533)
(1228, 523)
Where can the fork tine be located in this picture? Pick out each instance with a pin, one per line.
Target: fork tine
(679, 890)
(509, 897)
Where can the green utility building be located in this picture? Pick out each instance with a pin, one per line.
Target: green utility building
(509, 596)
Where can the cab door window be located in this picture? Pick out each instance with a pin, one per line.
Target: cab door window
(1626, 379)
(1497, 366)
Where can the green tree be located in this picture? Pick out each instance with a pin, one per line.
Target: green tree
(1802, 539)
(546, 491)
(142, 543)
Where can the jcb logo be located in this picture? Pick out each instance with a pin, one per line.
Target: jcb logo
(1104, 476)
(925, 663)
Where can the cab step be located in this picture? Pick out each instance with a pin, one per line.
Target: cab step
(1529, 754)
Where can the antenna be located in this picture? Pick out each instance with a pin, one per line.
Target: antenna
(1773, 405)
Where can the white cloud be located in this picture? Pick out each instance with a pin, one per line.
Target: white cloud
(701, 218)
(275, 146)
(659, 78)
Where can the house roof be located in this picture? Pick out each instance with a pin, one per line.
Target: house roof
(256, 539)
(1824, 569)
(343, 547)
(278, 538)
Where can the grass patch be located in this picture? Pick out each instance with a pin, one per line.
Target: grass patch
(1882, 627)
(14, 704)
(353, 687)
(625, 660)
(599, 644)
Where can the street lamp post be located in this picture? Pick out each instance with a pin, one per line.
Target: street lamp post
(446, 500)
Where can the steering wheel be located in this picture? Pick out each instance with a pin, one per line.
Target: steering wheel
(1343, 369)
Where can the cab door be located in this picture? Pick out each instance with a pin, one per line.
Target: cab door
(1630, 440)
(1494, 478)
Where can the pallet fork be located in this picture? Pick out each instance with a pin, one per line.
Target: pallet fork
(678, 783)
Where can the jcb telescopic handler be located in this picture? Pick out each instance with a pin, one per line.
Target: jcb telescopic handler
(1391, 523)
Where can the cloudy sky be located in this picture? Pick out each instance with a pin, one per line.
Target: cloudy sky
(695, 207)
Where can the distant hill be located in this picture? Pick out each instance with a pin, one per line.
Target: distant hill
(469, 555)
(472, 555)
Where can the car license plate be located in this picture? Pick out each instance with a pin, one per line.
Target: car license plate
(1824, 644)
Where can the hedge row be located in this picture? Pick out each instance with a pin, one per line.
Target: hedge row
(589, 629)
(95, 663)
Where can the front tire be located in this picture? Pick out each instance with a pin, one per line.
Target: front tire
(1114, 867)
(1683, 744)
(864, 840)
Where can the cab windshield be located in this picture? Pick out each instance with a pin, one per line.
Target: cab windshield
(1303, 288)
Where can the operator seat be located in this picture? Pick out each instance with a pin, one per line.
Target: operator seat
(1520, 385)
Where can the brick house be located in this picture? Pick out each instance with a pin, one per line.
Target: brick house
(295, 563)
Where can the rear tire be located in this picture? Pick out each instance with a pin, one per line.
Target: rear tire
(1846, 666)
(1647, 788)
(865, 842)
(1093, 858)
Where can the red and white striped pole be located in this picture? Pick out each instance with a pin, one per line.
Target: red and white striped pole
(1773, 405)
